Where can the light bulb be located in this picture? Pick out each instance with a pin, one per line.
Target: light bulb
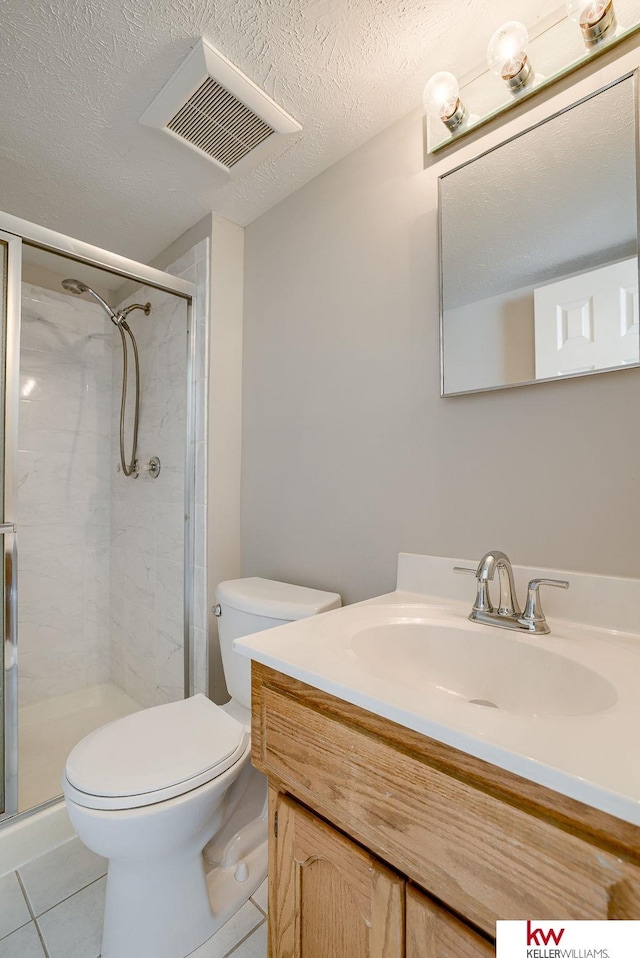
(507, 55)
(596, 19)
(442, 100)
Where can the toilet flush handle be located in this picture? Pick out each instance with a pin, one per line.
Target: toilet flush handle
(217, 610)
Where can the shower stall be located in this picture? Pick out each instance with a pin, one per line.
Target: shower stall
(99, 492)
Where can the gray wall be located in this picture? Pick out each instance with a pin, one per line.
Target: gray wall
(349, 453)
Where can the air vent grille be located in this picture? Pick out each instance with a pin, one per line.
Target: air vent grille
(216, 122)
(213, 108)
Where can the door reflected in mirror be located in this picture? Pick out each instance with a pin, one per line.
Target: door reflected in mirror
(538, 257)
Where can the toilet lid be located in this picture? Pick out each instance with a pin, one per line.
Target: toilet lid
(160, 749)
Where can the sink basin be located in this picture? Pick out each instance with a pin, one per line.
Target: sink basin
(482, 668)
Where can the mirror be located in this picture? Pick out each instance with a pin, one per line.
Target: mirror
(538, 251)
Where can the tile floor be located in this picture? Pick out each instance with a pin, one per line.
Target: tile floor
(52, 908)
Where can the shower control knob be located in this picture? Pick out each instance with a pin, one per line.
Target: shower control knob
(150, 469)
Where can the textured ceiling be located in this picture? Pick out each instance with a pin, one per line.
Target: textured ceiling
(77, 74)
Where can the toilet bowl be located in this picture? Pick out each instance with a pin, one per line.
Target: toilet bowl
(169, 797)
(148, 792)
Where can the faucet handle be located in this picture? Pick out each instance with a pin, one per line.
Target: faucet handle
(483, 602)
(533, 616)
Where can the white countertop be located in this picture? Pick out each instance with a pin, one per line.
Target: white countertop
(594, 758)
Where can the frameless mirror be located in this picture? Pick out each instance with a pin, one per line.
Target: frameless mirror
(538, 251)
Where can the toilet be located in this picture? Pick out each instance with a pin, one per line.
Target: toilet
(168, 795)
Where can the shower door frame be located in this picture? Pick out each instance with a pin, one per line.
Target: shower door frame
(19, 231)
(9, 759)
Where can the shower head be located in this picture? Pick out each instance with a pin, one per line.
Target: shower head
(76, 287)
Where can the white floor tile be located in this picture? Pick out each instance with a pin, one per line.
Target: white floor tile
(255, 946)
(55, 876)
(73, 929)
(24, 943)
(261, 895)
(13, 908)
(231, 933)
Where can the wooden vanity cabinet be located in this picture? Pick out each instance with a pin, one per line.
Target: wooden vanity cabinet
(385, 843)
(333, 899)
(433, 932)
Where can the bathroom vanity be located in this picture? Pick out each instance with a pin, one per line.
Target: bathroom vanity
(386, 840)
(431, 845)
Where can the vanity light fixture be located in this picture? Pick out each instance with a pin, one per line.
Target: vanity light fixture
(596, 19)
(442, 100)
(452, 112)
(507, 55)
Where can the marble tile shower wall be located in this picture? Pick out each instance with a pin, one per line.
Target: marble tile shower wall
(147, 515)
(63, 494)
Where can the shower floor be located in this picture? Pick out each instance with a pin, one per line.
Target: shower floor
(48, 730)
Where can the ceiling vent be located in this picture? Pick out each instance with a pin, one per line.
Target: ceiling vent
(212, 107)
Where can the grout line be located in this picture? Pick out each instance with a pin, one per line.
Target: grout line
(259, 907)
(24, 892)
(42, 941)
(242, 940)
(76, 892)
(31, 912)
(23, 925)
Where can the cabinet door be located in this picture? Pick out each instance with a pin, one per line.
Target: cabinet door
(433, 932)
(332, 898)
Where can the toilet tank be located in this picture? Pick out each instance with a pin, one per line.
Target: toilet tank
(253, 604)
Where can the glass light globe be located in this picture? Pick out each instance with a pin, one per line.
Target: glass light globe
(441, 96)
(596, 19)
(507, 50)
(587, 11)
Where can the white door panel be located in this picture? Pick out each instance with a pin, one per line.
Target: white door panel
(588, 321)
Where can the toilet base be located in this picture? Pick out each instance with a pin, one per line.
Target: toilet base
(156, 910)
(176, 868)
(142, 921)
(228, 893)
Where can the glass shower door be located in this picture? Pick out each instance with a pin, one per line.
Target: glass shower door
(10, 254)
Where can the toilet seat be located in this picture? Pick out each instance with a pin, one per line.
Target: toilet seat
(154, 755)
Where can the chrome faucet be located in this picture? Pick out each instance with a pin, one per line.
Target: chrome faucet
(508, 615)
